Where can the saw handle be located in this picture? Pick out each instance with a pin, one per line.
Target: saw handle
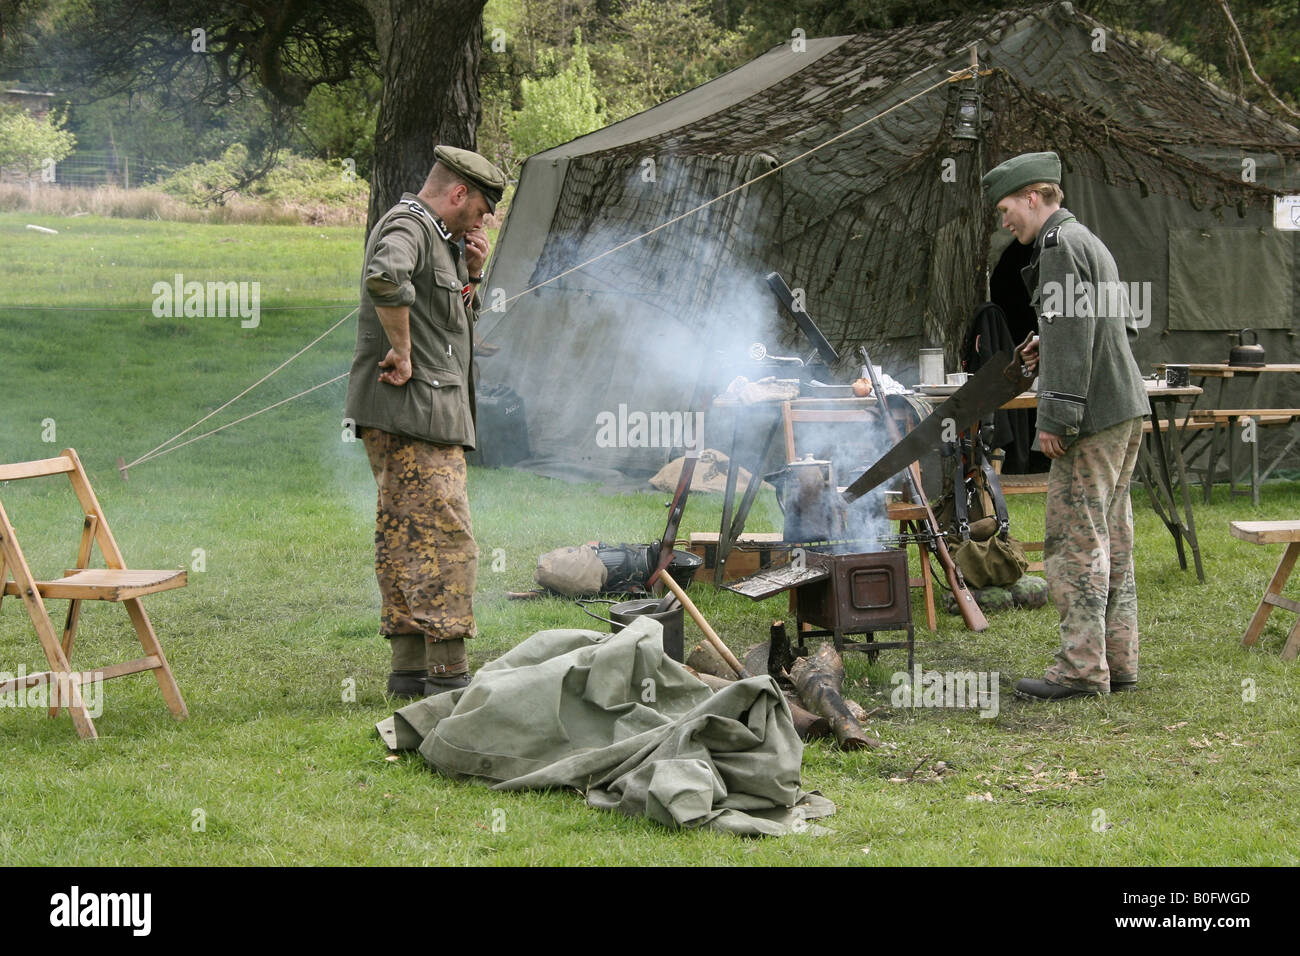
(1024, 364)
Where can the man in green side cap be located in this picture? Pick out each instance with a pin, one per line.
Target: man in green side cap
(411, 400)
(1091, 401)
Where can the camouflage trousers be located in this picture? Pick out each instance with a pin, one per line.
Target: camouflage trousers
(425, 556)
(1088, 558)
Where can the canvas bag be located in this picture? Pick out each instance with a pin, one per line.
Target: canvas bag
(571, 571)
(985, 551)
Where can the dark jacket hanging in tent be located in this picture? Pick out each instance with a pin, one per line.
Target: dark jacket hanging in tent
(987, 336)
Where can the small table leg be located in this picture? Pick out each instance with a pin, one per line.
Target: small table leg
(1292, 643)
(1185, 525)
(732, 527)
(1265, 608)
(1212, 463)
(1160, 496)
(1189, 528)
(1254, 467)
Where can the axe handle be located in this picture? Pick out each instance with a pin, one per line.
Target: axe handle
(709, 633)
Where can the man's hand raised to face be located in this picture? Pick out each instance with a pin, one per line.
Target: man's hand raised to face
(476, 251)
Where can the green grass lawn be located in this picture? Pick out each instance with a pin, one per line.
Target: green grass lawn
(278, 764)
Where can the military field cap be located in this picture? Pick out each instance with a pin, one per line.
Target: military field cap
(1020, 171)
(476, 169)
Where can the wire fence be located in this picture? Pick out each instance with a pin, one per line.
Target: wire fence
(88, 168)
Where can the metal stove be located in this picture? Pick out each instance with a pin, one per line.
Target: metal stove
(860, 594)
(841, 594)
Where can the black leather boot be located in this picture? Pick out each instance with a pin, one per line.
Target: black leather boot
(406, 684)
(407, 676)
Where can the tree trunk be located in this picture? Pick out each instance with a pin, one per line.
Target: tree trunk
(429, 51)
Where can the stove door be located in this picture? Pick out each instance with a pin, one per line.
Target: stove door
(872, 589)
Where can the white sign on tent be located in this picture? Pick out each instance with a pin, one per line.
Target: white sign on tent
(1286, 212)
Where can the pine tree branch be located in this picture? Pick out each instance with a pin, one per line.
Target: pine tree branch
(1250, 65)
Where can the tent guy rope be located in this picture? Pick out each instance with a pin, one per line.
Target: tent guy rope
(282, 401)
(162, 449)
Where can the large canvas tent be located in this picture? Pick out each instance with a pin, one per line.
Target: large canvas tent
(879, 219)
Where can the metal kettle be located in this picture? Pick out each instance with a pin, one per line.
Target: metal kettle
(1247, 356)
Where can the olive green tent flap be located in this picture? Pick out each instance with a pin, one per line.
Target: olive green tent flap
(1229, 279)
(614, 717)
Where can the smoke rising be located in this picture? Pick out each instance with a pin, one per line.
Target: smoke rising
(662, 326)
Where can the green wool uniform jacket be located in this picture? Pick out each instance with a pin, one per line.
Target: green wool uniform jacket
(1088, 379)
(412, 261)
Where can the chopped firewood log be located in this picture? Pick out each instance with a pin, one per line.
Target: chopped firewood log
(819, 680)
(807, 725)
(708, 661)
(755, 660)
(857, 710)
(774, 656)
(710, 681)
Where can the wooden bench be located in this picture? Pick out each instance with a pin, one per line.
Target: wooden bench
(1273, 532)
(1224, 419)
(1180, 425)
(752, 552)
(1031, 484)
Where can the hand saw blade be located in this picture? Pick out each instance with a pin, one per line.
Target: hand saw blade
(996, 383)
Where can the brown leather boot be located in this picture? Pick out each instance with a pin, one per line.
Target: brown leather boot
(446, 665)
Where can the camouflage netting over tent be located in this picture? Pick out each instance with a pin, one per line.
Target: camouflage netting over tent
(883, 225)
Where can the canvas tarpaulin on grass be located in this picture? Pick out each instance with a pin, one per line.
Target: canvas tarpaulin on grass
(616, 718)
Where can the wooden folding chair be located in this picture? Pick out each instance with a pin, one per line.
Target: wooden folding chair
(82, 583)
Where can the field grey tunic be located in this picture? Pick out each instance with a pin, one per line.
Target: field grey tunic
(411, 261)
(1088, 379)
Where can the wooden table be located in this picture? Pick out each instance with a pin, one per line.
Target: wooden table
(1165, 484)
(1161, 465)
(1225, 371)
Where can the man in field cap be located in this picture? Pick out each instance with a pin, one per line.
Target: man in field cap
(411, 400)
(1090, 406)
